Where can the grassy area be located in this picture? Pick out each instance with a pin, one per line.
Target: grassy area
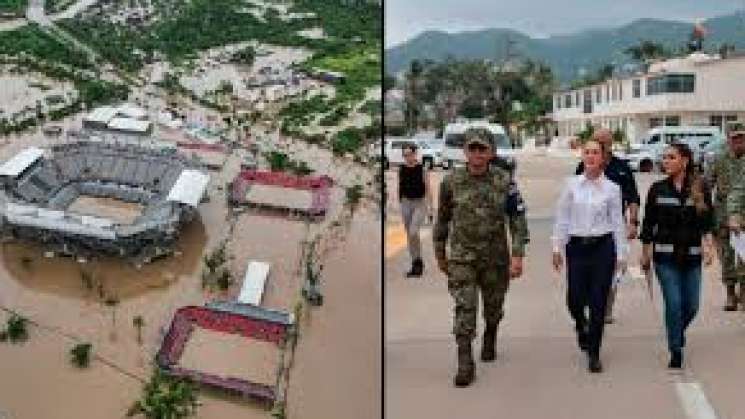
(196, 26)
(361, 66)
(15, 7)
(31, 40)
(56, 6)
(35, 51)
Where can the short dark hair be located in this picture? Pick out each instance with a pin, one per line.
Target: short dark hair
(410, 146)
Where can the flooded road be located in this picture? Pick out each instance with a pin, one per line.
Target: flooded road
(338, 361)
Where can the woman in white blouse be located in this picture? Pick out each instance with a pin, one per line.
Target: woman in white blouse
(590, 230)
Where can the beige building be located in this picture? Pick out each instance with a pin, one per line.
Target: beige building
(698, 89)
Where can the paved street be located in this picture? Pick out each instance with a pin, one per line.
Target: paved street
(539, 371)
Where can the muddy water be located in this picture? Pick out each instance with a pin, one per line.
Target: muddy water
(337, 365)
(274, 240)
(26, 265)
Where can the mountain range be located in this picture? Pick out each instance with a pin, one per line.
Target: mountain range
(568, 55)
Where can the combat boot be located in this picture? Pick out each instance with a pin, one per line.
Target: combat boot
(466, 368)
(417, 268)
(731, 304)
(489, 343)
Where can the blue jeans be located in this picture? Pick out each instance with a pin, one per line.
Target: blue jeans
(681, 290)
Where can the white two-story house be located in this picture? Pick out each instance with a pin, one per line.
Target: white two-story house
(698, 89)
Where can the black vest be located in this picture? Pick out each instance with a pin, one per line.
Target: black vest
(411, 182)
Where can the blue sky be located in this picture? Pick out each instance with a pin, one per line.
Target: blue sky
(407, 18)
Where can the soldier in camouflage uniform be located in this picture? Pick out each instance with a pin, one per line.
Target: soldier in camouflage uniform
(477, 205)
(725, 170)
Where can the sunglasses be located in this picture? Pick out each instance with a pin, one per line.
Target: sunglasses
(477, 147)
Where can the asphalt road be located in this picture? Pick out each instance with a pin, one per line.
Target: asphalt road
(539, 371)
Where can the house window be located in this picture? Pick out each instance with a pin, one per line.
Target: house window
(637, 88)
(587, 101)
(655, 122)
(576, 98)
(672, 121)
(607, 92)
(715, 120)
(671, 83)
(599, 95)
(558, 102)
(567, 101)
(731, 118)
(620, 90)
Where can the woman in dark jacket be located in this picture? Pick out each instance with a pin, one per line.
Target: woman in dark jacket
(676, 234)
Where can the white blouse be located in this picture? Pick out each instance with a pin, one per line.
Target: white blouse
(589, 208)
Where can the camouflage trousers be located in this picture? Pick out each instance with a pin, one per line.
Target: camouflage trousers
(733, 271)
(464, 283)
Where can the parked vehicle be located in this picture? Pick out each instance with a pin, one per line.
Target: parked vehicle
(712, 150)
(454, 134)
(647, 154)
(429, 154)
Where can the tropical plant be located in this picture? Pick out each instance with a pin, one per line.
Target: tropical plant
(81, 355)
(16, 328)
(138, 322)
(166, 397)
(646, 50)
(112, 302)
(224, 279)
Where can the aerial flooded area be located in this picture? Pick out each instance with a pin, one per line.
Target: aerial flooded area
(99, 253)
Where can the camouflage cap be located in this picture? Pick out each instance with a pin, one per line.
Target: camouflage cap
(478, 136)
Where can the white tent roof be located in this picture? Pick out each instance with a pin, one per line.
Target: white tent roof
(21, 161)
(189, 187)
(132, 111)
(253, 283)
(103, 114)
(129, 124)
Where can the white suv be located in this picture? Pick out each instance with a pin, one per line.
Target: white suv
(429, 154)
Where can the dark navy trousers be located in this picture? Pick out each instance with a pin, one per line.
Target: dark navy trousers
(590, 269)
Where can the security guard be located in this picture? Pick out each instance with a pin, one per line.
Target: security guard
(721, 175)
(477, 204)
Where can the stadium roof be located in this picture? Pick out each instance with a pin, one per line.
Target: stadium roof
(21, 161)
(129, 125)
(189, 187)
(102, 115)
(132, 111)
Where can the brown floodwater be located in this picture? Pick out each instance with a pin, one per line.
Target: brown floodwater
(105, 277)
(336, 373)
(339, 347)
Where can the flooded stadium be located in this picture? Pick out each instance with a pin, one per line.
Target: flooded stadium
(95, 300)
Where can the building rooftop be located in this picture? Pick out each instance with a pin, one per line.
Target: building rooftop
(102, 115)
(189, 187)
(21, 161)
(129, 124)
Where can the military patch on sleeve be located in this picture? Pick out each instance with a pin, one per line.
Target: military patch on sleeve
(514, 204)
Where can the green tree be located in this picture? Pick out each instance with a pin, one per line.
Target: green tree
(646, 50)
(138, 322)
(81, 355)
(16, 329)
(166, 397)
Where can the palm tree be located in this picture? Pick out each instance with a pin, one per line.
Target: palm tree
(17, 331)
(138, 322)
(112, 302)
(81, 354)
(412, 95)
(166, 397)
(646, 50)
